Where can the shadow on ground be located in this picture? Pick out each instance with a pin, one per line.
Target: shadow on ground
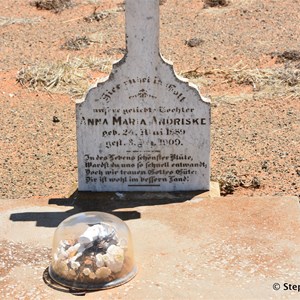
(119, 204)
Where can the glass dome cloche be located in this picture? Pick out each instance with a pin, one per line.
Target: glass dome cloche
(92, 251)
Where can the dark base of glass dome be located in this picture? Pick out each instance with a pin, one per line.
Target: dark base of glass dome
(78, 286)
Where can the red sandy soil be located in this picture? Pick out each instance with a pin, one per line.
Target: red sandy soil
(255, 141)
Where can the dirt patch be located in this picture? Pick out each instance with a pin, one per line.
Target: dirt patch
(53, 5)
(15, 254)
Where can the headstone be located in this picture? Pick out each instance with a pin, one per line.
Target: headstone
(143, 128)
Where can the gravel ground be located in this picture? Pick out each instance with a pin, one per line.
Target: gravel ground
(255, 135)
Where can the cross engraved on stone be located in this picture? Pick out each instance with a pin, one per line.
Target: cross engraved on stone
(143, 128)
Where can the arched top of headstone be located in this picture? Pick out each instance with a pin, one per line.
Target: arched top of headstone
(143, 56)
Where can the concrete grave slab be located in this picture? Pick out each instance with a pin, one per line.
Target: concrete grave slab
(220, 248)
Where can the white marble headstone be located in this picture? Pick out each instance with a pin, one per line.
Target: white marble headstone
(143, 129)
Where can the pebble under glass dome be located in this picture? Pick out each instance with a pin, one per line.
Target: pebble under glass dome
(92, 251)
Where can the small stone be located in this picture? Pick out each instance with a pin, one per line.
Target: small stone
(116, 252)
(103, 273)
(194, 42)
(255, 182)
(86, 271)
(114, 258)
(92, 275)
(75, 265)
(55, 119)
(99, 260)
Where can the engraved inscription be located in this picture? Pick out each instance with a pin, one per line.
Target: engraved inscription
(143, 133)
(140, 168)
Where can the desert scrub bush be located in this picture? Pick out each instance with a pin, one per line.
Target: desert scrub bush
(77, 43)
(53, 5)
(214, 3)
(260, 79)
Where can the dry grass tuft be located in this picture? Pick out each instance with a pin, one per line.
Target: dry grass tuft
(280, 81)
(273, 80)
(53, 5)
(69, 77)
(5, 21)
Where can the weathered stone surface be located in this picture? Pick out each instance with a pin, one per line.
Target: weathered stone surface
(143, 129)
(221, 248)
